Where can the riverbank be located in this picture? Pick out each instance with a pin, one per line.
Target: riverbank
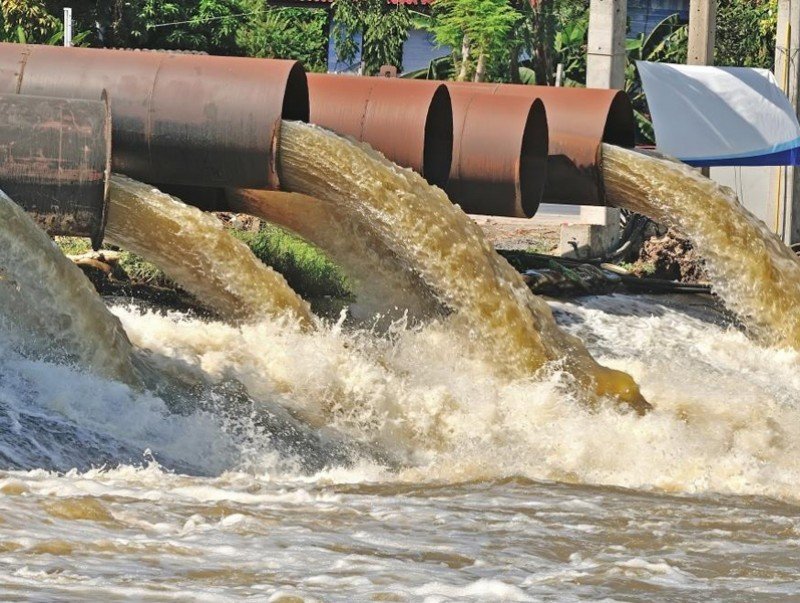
(531, 248)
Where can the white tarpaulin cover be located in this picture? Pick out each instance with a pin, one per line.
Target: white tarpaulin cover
(720, 115)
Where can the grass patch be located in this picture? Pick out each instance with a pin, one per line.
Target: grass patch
(142, 271)
(541, 248)
(73, 245)
(306, 268)
(643, 268)
(134, 266)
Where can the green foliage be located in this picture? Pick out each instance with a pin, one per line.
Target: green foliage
(28, 21)
(527, 76)
(667, 43)
(570, 45)
(547, 32)
(207, 25)
(142, 271)
(383, 28)
(441, 68)
(481, 28)
(73, 245)
(287, 33)
(135, 267)
(746, 33)
(228, 27)
(307, 269)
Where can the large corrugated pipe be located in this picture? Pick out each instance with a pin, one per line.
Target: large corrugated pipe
(409, 121)
(177, 118)
(55, 159)
(579, 120)
(500, 149)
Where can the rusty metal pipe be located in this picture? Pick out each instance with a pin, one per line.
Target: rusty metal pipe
(55, 159)
(579, 120)
(499, 153)
(178, 118)
(409, 121)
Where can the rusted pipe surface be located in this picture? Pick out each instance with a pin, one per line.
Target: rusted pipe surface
(178, 118)
(579, 120)
(499, 153)
(409, 121)
(55, 159)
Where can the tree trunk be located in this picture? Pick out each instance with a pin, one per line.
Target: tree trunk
(513, 65)
(480, 70)
(462, 74)
(543, 41)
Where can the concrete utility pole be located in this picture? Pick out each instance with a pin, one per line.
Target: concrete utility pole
(605, 68)
(702, 32)
(702, 36)
(605, 60)
(787, 72)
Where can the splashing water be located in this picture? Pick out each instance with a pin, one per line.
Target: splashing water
(725, 414)
(380, 283)
(751, 269)
(50, 307)
(509, 327)
(195, 251)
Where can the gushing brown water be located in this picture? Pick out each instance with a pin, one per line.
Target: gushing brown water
(49, 299)
(195, 251)
(509, 326)
(751, 269)
(380, 284)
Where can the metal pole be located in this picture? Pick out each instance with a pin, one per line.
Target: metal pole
(559, 74)
(67, 27)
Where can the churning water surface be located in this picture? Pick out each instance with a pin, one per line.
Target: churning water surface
(492, 490)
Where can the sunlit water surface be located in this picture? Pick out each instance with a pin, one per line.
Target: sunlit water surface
(495, 491)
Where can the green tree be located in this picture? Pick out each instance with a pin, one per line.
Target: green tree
(228, 27)
(746, 33)
(570, 43)
(480, 28)
(383, 28)
(668, 42)
(28, 21)
(287, 33)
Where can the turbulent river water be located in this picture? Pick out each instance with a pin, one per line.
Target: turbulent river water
(535, 496)
(288, 457)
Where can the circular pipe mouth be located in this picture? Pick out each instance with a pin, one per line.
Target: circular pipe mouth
(438, 151)
(532, 175)
(295, 98)
(620, 128)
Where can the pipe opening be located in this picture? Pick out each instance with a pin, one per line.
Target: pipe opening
(533, 159)
(438, 152)
(620, 128)
(295, 98)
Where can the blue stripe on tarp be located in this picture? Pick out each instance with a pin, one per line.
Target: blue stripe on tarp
(785, 157)
(784, 153)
